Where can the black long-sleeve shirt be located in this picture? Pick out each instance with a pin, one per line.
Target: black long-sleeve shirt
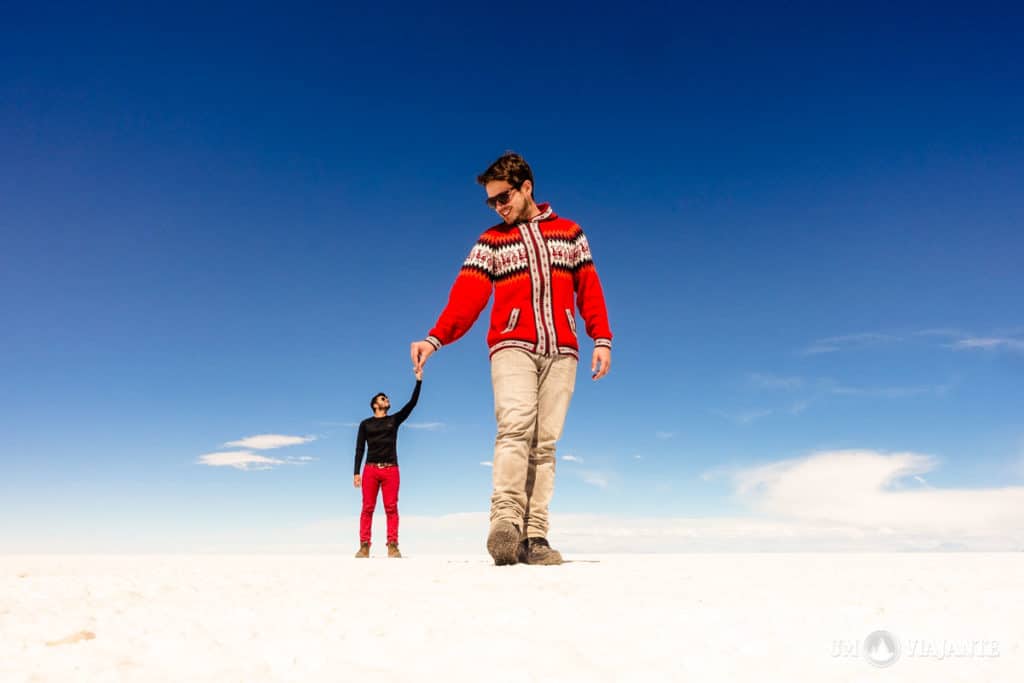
(379, 435)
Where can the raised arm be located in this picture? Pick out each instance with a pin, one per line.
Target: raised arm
(406, 410)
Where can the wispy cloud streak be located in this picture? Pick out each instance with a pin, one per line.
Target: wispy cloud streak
(247, 460)
(262, 442)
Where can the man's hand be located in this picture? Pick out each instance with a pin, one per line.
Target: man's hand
(357, 481)
(602, 362)
(419, 375)
(420, 351)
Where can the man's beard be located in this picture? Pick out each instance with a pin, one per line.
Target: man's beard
(520, 216)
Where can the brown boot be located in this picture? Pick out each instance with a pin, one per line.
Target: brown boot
(364, 550)
(539, 552)
(393, 550)
(503, 543)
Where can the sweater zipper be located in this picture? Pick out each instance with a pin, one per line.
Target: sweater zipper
(543, 343)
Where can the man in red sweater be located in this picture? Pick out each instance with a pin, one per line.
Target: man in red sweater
(540, 269)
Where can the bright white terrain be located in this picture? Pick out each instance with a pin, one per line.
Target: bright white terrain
(720, 617)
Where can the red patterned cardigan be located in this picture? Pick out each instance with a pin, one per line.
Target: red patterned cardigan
(536, 269)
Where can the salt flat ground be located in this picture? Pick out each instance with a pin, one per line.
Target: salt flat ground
(707, 617)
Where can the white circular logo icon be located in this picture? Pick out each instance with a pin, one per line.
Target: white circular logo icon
(881, 649)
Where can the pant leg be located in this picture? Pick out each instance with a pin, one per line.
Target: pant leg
(371, 485)
(557, 383)
(390, 483)
(514, 378)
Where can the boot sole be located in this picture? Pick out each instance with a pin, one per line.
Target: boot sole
(503, 545)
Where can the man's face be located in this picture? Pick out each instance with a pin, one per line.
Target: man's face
(512, 204)
(383, 403)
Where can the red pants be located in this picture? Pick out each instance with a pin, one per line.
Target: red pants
(375, 478)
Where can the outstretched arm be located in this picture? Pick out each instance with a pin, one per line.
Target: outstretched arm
(469, 295)
(406, 410)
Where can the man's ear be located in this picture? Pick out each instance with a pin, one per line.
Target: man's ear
(527, 188)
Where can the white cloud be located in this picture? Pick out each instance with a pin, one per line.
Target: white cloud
(751, 415)
(863, 489)
(939, 332)
(746, 417)
(822, 388)
(486, 463)
(572, 458)
(594, 478)
(833, 344)
(242, 460)
(989, 344)
(247, 460)
(891, 392)
(1009, 340)
(1006, 340)
(664, 435)
(262, 442)
(798, 407)
(810, 390)
(426, 426)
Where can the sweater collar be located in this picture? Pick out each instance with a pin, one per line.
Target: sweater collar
(546, 213)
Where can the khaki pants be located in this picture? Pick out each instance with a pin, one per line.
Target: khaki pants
(531, 398)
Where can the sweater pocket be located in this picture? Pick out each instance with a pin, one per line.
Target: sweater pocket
(572, 322)
(513, 320)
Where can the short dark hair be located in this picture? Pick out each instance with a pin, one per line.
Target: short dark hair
(375, 397)
(510, 167)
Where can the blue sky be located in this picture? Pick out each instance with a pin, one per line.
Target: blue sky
(220, 223)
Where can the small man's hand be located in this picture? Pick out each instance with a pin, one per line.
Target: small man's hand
(419, 375)
(357, 481)
(601, 363)
(420, 351)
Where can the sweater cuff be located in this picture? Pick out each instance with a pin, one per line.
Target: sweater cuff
(602, 341)
(433, 341)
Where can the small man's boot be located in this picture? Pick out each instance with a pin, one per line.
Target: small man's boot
(393, 550)
(364, 550)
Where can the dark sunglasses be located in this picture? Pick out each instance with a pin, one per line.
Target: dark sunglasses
(502, 198)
